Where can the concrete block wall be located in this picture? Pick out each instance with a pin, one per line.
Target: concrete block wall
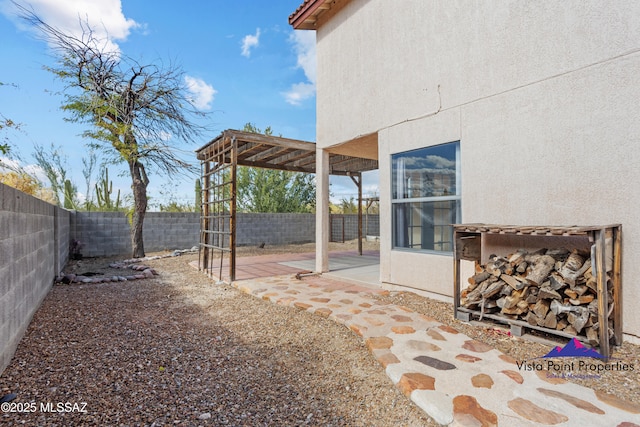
(33, 244)
(62, 237)
(101, 233)
(171, 230)
(275, 228)
(108, 233)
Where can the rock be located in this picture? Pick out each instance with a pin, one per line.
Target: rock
(403, 330)
(204, 416)
(422, 345)
(482, 381)
(87, 280)
(508, 359)
(416, 381)
(467, 411)
(616, 402)
(387, 359)
(467, 358)
(514, 376)
(578, 403)
(376, 343)
(301, 305)
(529, 410)
(448, 329)
(476, 346)
(323, 311)
(436, 335)
(438, 364)
(147, 273)
(401, 318)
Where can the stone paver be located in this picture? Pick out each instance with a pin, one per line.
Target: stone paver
(455, 379)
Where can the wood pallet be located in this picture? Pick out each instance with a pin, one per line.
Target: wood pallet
(516, 327)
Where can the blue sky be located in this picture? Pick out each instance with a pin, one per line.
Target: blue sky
(242, 59)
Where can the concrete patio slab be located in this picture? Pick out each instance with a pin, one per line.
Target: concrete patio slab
(363, 269)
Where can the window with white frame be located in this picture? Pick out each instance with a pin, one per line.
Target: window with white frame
(425, 197)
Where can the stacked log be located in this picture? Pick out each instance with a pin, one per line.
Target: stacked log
(554, 289)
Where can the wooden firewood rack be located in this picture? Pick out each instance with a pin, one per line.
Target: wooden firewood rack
(605, 243)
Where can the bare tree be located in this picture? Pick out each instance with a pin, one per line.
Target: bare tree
(136, 111)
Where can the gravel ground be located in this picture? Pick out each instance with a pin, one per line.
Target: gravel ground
(177, 350)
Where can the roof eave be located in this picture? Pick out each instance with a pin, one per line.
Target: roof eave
(305, 17)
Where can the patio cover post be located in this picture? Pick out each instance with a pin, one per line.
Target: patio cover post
(233, 209)
(204, 217)
(322, 210)
(357, 179)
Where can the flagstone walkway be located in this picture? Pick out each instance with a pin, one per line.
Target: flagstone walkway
(453, 378)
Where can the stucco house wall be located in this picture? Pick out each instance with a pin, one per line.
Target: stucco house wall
(543, 97)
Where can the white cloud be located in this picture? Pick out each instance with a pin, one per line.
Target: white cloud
(7, 164)
(105, 18)
(202, 92)
(304, 44)
(299, 92)
(249, 41)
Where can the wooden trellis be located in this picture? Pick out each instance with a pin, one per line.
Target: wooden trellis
(219, 161)
(217, 230)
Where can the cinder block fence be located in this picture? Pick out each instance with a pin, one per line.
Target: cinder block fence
(34, 247)
(107, 233)
(35, 238)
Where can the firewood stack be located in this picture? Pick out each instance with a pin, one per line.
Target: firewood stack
(554, 289)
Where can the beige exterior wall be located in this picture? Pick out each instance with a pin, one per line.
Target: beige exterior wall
(543, 97)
